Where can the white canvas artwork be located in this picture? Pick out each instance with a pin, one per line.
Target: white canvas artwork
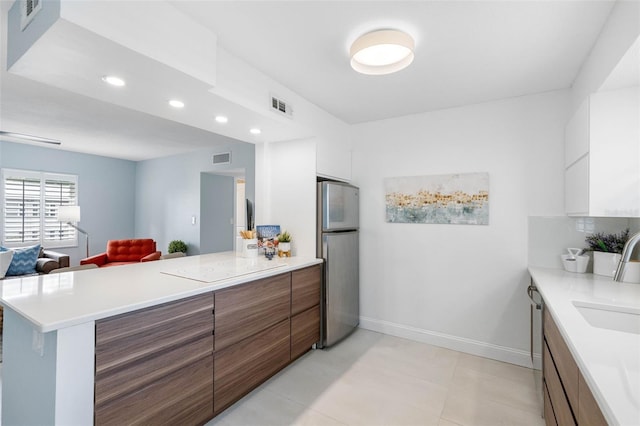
(444, 199)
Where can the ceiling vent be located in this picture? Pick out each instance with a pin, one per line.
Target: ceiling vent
(29, 10)
(222, 158)
(281, 106)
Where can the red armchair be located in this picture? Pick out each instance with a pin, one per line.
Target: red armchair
(124, 252)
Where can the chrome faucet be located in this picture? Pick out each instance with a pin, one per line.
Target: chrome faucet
(626, 256)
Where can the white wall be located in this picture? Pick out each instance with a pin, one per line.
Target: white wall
(289, 183)
(460, 286)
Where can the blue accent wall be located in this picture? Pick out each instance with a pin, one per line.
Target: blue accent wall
(106, 190)
(168, 191)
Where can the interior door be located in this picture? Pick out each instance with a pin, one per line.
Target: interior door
(217, 206)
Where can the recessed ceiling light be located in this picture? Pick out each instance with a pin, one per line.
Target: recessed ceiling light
(382, 52)
(255, 131)
(176, 103)
(113, 80)
(221, 119)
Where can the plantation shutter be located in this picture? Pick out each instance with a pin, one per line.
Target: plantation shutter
(58, 191)
(30, 208)
(21, 209)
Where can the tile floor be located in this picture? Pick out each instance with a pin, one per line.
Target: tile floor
(375, 379)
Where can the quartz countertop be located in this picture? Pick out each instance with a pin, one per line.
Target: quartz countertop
(609, 360)
(56, 301)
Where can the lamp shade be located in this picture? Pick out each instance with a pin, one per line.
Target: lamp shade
(69, 213)
(382, 52)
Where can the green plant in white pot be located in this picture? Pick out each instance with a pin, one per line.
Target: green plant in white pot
(284, 244)
(607, 249)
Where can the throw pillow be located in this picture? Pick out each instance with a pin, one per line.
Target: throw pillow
(5, 260)
(24, 261)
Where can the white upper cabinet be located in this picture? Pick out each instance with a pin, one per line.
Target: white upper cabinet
(602, 155)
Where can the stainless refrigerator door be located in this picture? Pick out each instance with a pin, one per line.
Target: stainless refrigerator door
(340, 206)
(341, 292)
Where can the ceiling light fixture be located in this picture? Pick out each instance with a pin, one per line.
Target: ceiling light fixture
(176, 103)
(255, 131)
(221, 119)
(113, 80)
(382, 52)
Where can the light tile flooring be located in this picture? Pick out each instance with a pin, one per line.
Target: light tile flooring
(375, 379)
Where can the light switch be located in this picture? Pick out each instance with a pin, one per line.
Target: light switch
(193, 220)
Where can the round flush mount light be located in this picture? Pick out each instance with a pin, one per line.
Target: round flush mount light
(255, 131)
(221, 119)
(176, 103)
(113, 80)
(382, 52)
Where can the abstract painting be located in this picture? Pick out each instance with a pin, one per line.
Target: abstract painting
(444, 199)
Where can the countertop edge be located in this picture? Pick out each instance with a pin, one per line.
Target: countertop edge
(203, 288)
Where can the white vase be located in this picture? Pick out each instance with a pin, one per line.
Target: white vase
(605, 263)
(284, 249)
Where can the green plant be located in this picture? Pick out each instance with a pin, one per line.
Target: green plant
(177, 245)
(284, 237)
(610, 243)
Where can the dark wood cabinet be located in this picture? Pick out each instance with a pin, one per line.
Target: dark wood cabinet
(241, 367)
(167, 365)
(155, 365)
(305, 289)
(305, 309)
(568, 399)
(305, 331)
(246, 309)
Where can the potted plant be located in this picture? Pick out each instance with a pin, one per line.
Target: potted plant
(284, 244)
(177, 246)
(607, 249)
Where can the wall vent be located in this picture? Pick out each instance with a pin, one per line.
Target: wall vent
(281, 106)
(29, 10)
(222, 158)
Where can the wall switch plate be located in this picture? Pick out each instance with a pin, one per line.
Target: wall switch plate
(193, 220)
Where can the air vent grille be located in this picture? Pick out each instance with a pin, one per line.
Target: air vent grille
(222, 158)
(29, 10)
(281, 106)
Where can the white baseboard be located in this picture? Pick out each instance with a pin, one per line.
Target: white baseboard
(461, 344)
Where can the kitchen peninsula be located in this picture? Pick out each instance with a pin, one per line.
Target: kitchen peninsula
(94, 346)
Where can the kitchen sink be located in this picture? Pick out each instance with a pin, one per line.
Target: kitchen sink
(617, 318)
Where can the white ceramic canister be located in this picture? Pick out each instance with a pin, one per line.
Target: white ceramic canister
(250, 247)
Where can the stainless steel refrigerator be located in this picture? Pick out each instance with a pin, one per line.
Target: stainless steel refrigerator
(338, 245)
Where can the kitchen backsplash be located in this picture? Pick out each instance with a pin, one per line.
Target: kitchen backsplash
(549, 236)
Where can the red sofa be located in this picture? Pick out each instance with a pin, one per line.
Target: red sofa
(125, 252)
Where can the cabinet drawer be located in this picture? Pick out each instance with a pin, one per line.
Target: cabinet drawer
(566, 366)
(305, 288)
(558, 399)
(305, 331)
(243, 366)
(589, 413)
(117, 353)
(549, 416)
(182, 397)
(118, 383)
(138, 322)
(247, 309)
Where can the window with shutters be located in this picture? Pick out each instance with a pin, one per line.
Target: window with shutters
(30, 202)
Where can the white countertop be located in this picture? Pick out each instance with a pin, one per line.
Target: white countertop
(56, 301)
(609, 360)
